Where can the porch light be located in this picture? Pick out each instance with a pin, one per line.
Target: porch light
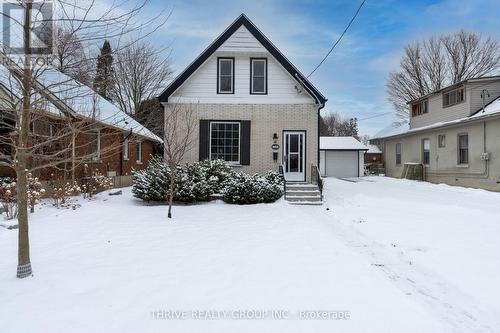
(275, 136)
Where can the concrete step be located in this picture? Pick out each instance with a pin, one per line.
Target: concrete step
(302, 192)
(301, 187)
(303, 198)
(311, 203)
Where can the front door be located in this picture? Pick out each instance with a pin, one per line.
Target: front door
(294, 144)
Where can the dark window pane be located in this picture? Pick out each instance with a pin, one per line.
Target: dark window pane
(258, 67)
(226, 84)
(294, 163)
(226, 67)
(294, 143)
(225, 141)
(258, 85)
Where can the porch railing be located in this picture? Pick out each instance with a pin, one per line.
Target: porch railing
(282, 172)
(317, 179)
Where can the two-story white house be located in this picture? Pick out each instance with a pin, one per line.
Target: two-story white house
(253, 108)
(450, 133)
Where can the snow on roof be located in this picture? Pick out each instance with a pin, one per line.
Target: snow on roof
(340, 143)
(491, 109)
(372, 149)
(391, 130)
(80, 99)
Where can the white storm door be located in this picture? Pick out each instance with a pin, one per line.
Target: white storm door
(294, 155)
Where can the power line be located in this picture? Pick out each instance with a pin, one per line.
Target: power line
(340, 38)
(375, 116)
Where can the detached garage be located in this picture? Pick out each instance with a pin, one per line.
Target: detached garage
(341, 156)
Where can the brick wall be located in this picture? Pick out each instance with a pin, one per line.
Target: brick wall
(266, 119)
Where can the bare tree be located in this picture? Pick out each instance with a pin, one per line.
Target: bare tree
(435, 63)
(139, 74)
(91, 25)
(177, 141)
(71, 57)
(332, 124)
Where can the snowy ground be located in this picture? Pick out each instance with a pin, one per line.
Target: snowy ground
(397, 256)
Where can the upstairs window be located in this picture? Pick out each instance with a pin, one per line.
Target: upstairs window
(426, 151)
(453, 97)
(419, 108)
(258, 76)
(463, 149)
(398, 153)
(225, 75)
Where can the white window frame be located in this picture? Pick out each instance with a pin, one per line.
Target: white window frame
(125, 149)
(400, 153)
(441, 141)
(239, 139)
(219, 68)
(252, 61)
(460, 162)
(455, 94)
(138, 152)
(428, 151)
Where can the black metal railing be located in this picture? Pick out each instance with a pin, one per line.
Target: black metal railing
(317, 179)
(282, 172)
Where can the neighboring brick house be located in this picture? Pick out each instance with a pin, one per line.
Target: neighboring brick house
(373, 155)
(106, 138)
(253, 108)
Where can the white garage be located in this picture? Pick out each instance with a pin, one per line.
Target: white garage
(341, 156)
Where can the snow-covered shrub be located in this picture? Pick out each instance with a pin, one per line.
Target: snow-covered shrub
(8, 197)
(95, 183)
(243, 188)
(193, 182)
(61, 194)
(216, 173)
(153, 182)
(35, 191)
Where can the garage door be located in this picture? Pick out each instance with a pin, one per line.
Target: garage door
(341, 163)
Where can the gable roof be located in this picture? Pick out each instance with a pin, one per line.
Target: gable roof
(340, 143)
(242, 20)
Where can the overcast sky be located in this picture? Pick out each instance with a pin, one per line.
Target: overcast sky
(353, 77)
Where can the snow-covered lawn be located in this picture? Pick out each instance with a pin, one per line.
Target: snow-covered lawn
(397, 256)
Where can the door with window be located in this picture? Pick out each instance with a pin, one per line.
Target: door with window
(294, 144)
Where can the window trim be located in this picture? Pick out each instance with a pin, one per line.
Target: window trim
(450, 91)
(439, 140)
(400, 145)
(232, 74)
(416, 114)
(251, 76)
(138, 154)
(423, 151)
(210, 139)
(459, 162)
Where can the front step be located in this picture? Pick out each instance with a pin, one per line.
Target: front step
(303, 194)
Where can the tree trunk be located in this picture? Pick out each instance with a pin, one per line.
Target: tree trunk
(24, 264)
(171, 193)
